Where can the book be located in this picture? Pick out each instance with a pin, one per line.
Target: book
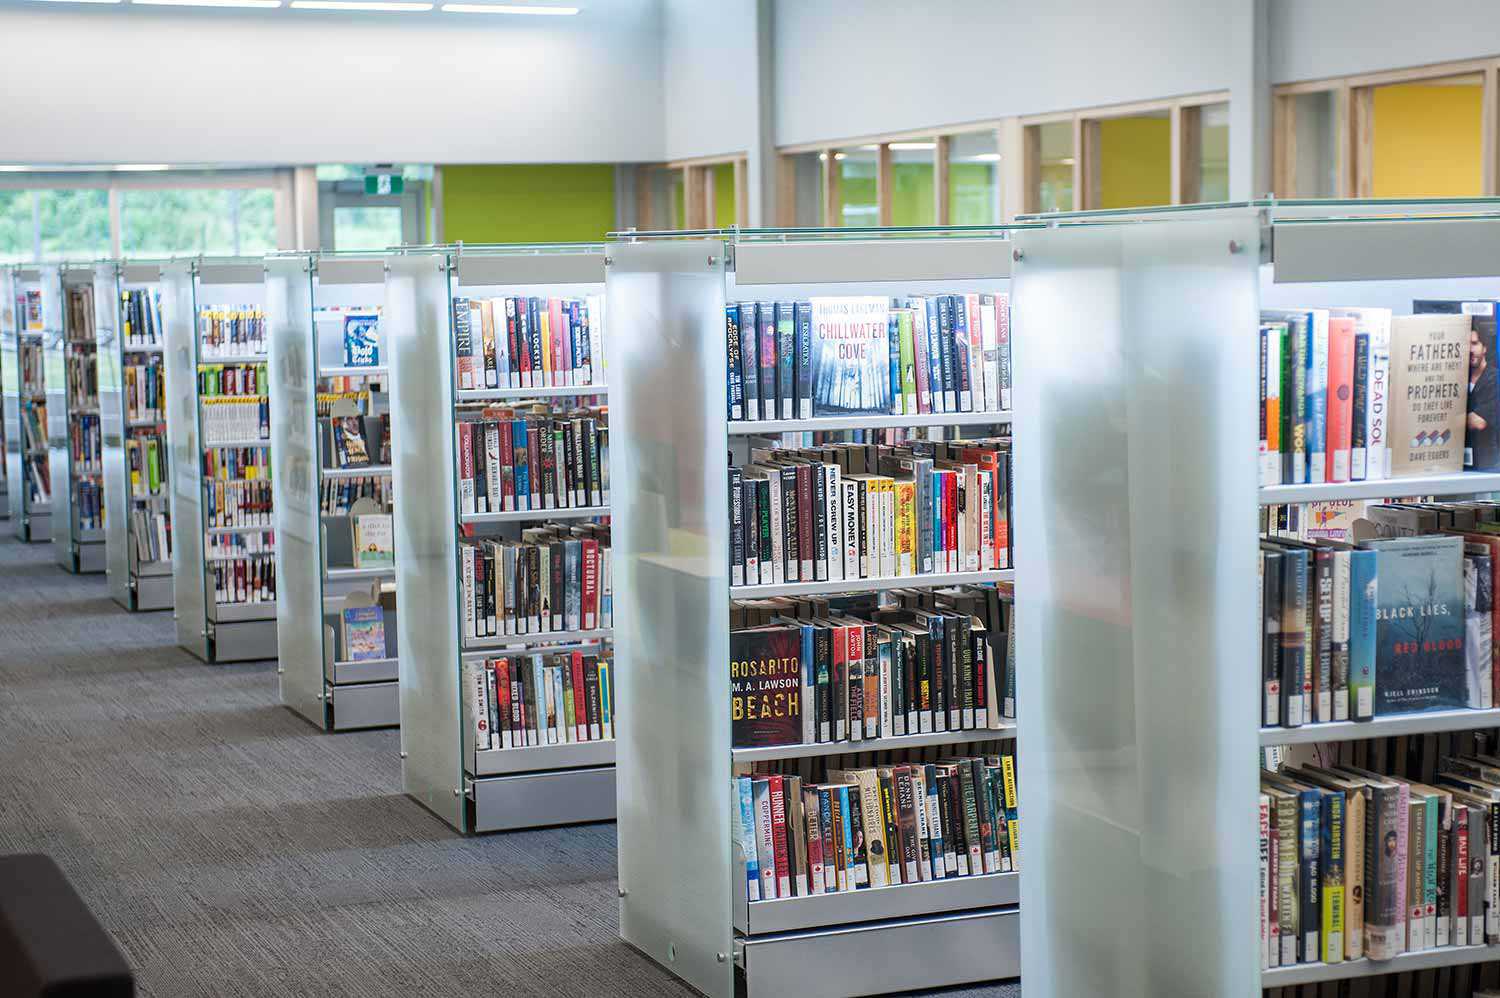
(374, 541)
(850, 365)
(1419, 624)
(1429, 393)
(1482, 414)
(363, 633)
(765, 687)
(361, 339)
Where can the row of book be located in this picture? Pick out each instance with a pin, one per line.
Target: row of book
(228, 464)
(857, 668)
(229, 419)
(552, 698)
(78, 313)
(868, 355)
(82, 375)
(351, 441)
(519, 342)
(861, 511)
(140, 317)
(557, 577)
(244, 579)
(533, 459)
(88, 504)
(237, 503)
(232, 331)
(873, 827)
(29, 307)
(37, 473)
(244, 380)
(1356, 864)
(338, 495)
(1358, 393)
(86, 444)
(31, 360)
(146, 390)
(34, 427)
(152, 532)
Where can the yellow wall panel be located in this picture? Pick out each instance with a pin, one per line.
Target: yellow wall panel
(1427, 141)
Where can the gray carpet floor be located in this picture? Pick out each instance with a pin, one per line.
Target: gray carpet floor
(232, 849)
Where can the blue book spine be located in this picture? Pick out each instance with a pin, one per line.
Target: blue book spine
(945, 344)
(747, 838)
(1310, 832)
(734, 384)
(749, 335)
(585, 354)
(1363, 590)
(766, 318)
(808, 706)
(934, 356)
(961, 359)
(847, 821)
(786, 358)
(893, 338)
(803, 315)
(523, 468)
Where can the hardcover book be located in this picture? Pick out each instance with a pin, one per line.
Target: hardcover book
(765, 686)
(364, 633)
(1482, 418)
(374, 541)
(1419, 624)
(361, 342)
(850, 356)
(1429, 393)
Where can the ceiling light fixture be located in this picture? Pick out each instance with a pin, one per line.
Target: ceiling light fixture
(984, 157)
(141, 167)
(78, 1)
(384, 6)
(208, 3)
(14, 168)
(505, 8)
(911, 146)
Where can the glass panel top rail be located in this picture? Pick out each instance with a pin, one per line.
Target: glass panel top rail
(737, 234)
(1292, 210)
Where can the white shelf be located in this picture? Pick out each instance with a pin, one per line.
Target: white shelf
(144, 348)
(368, 471)
(238, 443)
(220, 531)
(542, 758)
(529, 515)
(509, 394)
(344, 574)
(1383, 727)
(378, 370)
(1427, 959)
(1458, 483)
(500, 642)
(142, 424)
(244, 358)
(962, 736)
(930, 581)
(926, 897)
(762, 427)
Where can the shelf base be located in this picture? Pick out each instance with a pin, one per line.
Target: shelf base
(34, 527)
(538, 800)
(242, 641)
(366, 705)
(152, 592)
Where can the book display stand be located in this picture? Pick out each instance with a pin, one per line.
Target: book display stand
(311, 298)
(682, 884)
(219, 437)
(1139, 623)
(132, 397)
(494, 789)
(78, 359)
(26, 411)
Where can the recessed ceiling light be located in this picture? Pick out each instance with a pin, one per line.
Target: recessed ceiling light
(387, 6)
(142, 167)
(984, 157)
(505, 8)
(209, 3)
(1067, 161)
(78, 1)
(912, 146)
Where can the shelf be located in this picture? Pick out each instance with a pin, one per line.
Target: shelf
(220, 531)
(1383, 727)
(378, 370)
(508, 394)
(247, 358)
(143, 348)
(368, 471)
(740, 428)
(238, 443)
(143, 424)
(229, 613)
(892, 743)
(541, 758)
(928, 897)
(1458, 483)
(370, 670)
(1427, 959)
(502, 641)
(930, 581)
(344, 574)
(529, 515)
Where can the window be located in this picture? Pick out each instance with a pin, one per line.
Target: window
(366, 228)
(804, 183)
(974, 179)
(722, 178)
(855, 193)
(1050, 157)
(1211, 123)
(1308, 162)
(913, 199)
(72, 224)
(1128, 160)
(16, 229)
(230, 222)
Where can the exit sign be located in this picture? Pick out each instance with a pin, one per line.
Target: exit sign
(384, 183)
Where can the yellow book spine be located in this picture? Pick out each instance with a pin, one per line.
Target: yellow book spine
(544, 319)
(906, 528)
(1013, 826)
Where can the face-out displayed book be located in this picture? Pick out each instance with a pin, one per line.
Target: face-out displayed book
(364, 633)
(1482, 417)
(361, 339)
(374, 541)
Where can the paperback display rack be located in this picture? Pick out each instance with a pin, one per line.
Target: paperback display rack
(1142, 661)
(28, 477)
(133, 409)
(495, 354)
(330, 459)
(683, 370)
(78, 358)
(219, 436)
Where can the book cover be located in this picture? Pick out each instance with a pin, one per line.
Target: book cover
(1419, 625)
(850, 356)
(361, 339)
(1482, 417)
(374, 541)
(1429, 393)
(364, 633)
(765, 686)
(1363, 590)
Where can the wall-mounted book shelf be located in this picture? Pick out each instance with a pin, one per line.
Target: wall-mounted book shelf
(449, 378)
(28, 459)
(667, 299)
(330, 425)
(219, 438)
(1140, 637)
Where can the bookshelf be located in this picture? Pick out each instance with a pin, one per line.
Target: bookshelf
(222, 580)
(683, 896)
(309, 298)
(1140, 621)
(79, 358)
(473, 790)
(132, 406)
(28, 479)
(9, 389)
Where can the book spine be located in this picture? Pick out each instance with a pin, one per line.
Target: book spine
(1331, 846)
(1340, 398)
(767, 349)
(749, 365)
(922, 371)
(786, 359)
(745, 834)
(802, 313)
(962, 363)
(1360, 416)
(1339, 645)
(1317, 399)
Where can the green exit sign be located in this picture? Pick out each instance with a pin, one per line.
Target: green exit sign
(384, 183)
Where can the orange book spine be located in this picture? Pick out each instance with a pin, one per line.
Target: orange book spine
(1340, 396)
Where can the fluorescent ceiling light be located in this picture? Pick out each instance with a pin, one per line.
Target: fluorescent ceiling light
(840, 156)
(912, 146)
(208, 3)
(983, 157)
(142, 167)
(381, 5)
(504, 8)
(1067, 161)
(14, 168)
(79, 1)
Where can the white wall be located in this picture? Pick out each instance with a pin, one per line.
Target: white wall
(1312, 39)
(850, 69)
(709, 80)
(99, 84)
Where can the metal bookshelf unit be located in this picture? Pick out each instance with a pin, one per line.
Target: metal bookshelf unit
(132, 397)
(215, 630)
(682, 885)
(79, 359)
(9, 387)
(497, 789)
(26, 412)
(318, 572)
(1141, 669)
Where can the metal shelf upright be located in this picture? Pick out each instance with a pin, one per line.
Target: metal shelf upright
(26, 412)
(79, 359)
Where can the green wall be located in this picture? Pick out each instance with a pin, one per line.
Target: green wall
(555, 202)
(912, 197)
(1135, 162)
(724, 195)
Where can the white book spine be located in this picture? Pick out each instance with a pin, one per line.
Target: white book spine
(471, 623)
(851, 529)
(887, 529)
(479, 704)
(831, 492)
(1377, 406)
(986, 521)
(778, 531)
(1317, 461)
(765, 844)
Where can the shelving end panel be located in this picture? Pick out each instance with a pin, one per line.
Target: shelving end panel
(116, 498)
(55, 375)
(665, 302)
(1137, 626)
(418, 336)
(180, 324)
(10, 397)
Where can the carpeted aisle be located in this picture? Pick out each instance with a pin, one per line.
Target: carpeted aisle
(234, 850)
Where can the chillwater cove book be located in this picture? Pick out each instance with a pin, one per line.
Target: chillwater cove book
(851, 356)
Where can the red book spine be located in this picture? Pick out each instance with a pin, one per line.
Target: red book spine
(840, 682)
(589, 605)
(778, 836)
(1340, 397)
(855, 657)
(950, 519)
(811, 809)
(580, 698)
(502, 704)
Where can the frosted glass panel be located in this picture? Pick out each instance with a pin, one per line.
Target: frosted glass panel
(10, 382)
(666, 327)
(299, 584)
(56, 374)
(1137, 632)
(416, 326)
(112, 428)
(179, 323)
